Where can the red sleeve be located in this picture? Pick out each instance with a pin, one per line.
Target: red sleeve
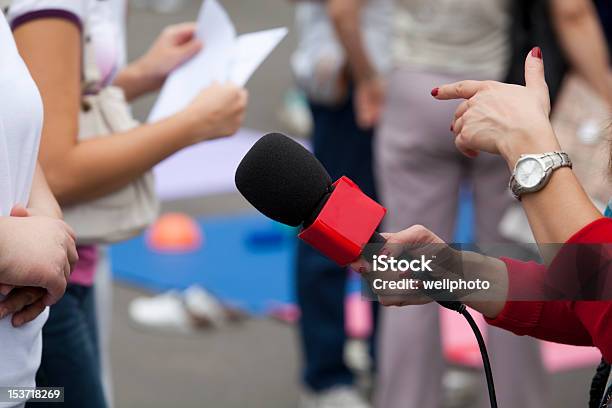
(579, 323)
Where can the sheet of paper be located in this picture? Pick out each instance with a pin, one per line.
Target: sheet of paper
(250, 52)
(223, 58)
(218, 34)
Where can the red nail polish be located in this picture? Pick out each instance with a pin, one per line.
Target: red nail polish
(536, 52)
(434, 92)
(451, 127)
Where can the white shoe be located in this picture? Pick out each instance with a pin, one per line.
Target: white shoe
(337, 397)
(173, 311)
(164, 312)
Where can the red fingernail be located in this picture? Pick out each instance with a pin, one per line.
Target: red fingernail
(434, 92)
(536, 52)
(451, 127)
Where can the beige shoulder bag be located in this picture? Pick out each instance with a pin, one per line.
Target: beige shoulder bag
(126, 212)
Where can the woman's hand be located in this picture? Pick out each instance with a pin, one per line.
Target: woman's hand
(36, 252)
(369, 101)
(416, 236)
(447, 263)
(501, 118)
(175, 45)
(218, 111)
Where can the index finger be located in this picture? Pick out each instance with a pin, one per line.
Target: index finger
(458, 90)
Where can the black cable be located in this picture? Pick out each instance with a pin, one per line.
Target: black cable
(462, 310)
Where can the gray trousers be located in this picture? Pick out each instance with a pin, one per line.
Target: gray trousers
(419, 172)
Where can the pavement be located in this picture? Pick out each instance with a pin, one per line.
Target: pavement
(254, 364)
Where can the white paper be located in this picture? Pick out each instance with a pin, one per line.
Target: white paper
(224, 57)
(251, 50)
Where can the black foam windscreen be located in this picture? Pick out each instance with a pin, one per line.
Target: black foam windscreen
(282, 179)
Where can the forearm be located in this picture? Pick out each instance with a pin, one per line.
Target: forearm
(583, 41)
(107, 164)
(346, 17)
(42, 201)
(560, 209)
(135, 82)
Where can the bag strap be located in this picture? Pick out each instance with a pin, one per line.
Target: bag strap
(90, 74)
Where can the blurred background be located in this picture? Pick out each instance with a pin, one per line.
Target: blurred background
(255, 359)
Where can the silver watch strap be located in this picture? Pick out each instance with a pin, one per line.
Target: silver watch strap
(555, 160)
(552, 161)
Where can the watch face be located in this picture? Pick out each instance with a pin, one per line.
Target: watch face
(529, 172)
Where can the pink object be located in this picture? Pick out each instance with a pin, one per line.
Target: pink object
(285, 313)
(460, 346)
(358, 316)
(85, 269)
(174, 233)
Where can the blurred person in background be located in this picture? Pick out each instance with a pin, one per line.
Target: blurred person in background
(343, 143)
(419, 172)
(60, 41)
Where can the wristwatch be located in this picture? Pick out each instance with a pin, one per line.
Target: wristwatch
(532, 171)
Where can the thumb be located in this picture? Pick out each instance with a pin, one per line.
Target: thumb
(534, 76)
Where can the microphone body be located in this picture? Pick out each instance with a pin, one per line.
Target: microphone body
(346, 223)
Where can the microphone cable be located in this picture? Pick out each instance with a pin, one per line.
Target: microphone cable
(462, 310)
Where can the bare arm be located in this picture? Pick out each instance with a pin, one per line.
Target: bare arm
(346, 16)
(175, 45)
(42, 201)
(583, 41)
(560, 210)
(369, 87)
(79, 171)
(135, 82)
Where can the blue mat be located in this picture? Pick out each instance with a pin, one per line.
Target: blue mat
(246, 260)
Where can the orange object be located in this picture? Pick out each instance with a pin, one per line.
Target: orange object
(175, 232)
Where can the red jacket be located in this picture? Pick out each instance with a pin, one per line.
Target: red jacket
(581, 323)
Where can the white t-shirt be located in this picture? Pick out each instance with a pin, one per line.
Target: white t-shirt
(21, 115)
(103, 21)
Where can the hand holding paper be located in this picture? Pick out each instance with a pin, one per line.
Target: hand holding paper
(225, 57)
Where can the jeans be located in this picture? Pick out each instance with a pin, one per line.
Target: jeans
(344, 149)
(70, 356)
